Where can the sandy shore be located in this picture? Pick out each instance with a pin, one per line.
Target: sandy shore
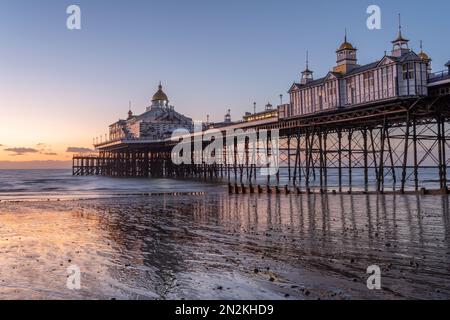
(222, 247)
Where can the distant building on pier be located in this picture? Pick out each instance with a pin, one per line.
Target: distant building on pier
(268, 113)
(156, 123)
(226, 122)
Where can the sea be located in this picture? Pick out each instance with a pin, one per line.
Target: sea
(35, 185)
(21, 185)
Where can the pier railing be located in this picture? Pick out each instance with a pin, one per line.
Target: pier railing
(439, 76)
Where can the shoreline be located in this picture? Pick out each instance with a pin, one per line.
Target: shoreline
(61, 198)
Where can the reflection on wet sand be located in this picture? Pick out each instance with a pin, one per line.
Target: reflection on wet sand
(408, 236)
(217, 246)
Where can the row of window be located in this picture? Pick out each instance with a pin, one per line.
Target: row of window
(362, 88)
(372, 85)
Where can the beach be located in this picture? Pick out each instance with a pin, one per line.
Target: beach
(210, 245)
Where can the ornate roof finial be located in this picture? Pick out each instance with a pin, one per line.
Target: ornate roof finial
(130, 113)
(307, 74)
(400, 40)
(307, 60)
(307, 71)
(345, 38)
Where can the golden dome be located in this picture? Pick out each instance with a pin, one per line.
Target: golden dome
(346, 46)
(160, 95)
(424, 56)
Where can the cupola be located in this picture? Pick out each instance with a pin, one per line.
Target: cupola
(346, 57)
(400, 45)
(307, 75)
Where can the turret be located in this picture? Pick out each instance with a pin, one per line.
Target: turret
(400, 45)
(228, 116)
(130, 113)
(346, 57)
(160, 99)
(307, 75)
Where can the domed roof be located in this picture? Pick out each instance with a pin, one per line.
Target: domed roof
(346, 46)
(424, 56)
(160, 95)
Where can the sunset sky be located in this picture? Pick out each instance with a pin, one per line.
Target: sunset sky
(60, 88)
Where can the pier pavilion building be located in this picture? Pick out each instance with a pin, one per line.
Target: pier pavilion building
(157, 123)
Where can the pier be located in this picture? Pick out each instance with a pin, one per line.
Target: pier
(394, 139)
(380, 127)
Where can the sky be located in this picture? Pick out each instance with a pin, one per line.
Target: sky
(60, 88)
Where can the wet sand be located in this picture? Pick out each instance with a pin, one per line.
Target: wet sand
(216, 246)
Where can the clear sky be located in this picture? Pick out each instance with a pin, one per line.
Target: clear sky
(60, 88)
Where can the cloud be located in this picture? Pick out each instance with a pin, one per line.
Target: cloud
(21, 151)
(45, 149)
(79, 150)
(41, 148)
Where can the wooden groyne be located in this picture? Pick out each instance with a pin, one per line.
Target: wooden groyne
(237, 189)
